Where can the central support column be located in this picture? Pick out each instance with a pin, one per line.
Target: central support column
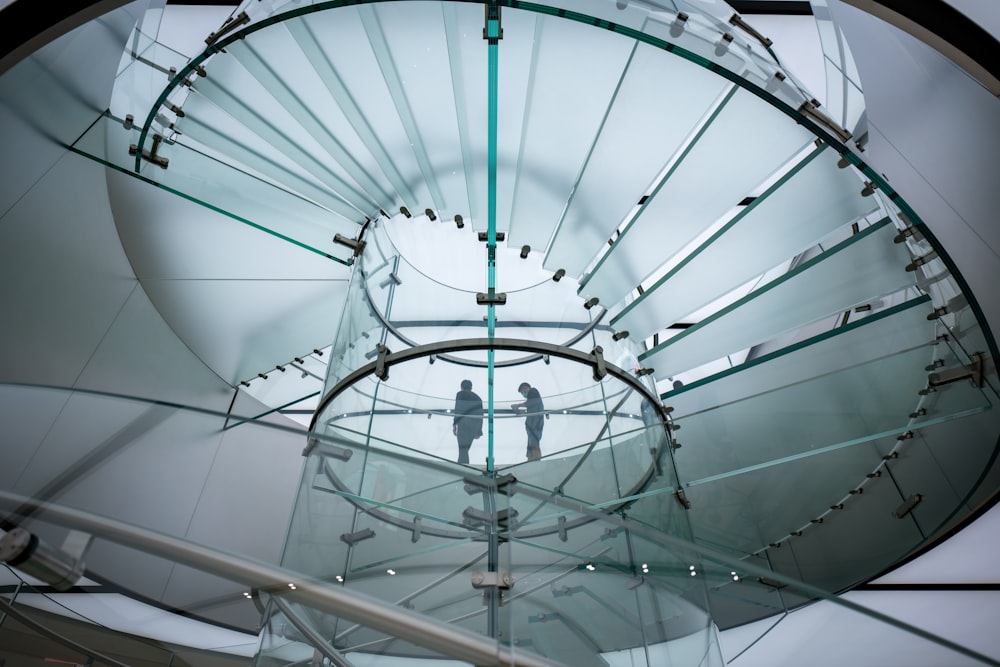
(492, 33)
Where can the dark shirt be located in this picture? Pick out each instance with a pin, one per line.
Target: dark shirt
(535, 408)
(468, 414)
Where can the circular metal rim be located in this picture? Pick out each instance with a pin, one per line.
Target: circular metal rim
(508, 344)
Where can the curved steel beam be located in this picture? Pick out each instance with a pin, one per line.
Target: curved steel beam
(438, 636)
(469, 344)
(394, 330)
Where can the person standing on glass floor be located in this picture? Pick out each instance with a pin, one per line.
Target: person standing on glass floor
(468, 422)
(534, 420)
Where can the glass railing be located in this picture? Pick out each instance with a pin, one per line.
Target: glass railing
(569, 558)
(244, 197)
(857, 354)
(811, 201)
(377, 145)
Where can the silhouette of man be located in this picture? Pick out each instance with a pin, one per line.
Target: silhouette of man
(535, 419)
(468, 422)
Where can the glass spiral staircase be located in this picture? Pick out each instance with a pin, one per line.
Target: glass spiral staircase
(763, 380)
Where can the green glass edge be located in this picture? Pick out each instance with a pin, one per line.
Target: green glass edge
(771, 285)
(411, 554)
(673, 168)
(211, 207)
(819, 338)
(817, 129)
(725, 228)
(269, 412)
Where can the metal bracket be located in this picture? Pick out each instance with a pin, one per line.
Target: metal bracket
(738, 21)
(381, 364)
(810, 108)
(907, 506)
(151, 155)
(475, 517)
(391, 279)
(904, 234)
(358, 246)
(492, 30)
(920, 261)
(600, 367)
(682, 499)
(503, 484)
(484, 237)
(415, 535)
(501, 580)
(357, 536)
(677, 27)
(491, 298)
(227, 27)
(975, 372)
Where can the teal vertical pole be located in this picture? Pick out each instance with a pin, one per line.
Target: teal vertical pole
(492, 35)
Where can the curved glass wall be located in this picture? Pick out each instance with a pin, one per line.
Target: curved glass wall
(667, 196)
(574, 562)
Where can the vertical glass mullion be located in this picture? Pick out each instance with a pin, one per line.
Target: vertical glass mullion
(493, 35)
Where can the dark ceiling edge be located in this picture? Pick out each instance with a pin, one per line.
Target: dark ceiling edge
(785, 7)
(945, 23)
(779, 7)
(923, 588)
(27, 26)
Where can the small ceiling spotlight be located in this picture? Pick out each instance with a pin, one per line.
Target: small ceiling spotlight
(390, 572)
(459, 222)
(590, 566)
(430, 214)
(339, 579)
(405, 211)
(291, 585)
(247, 595)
